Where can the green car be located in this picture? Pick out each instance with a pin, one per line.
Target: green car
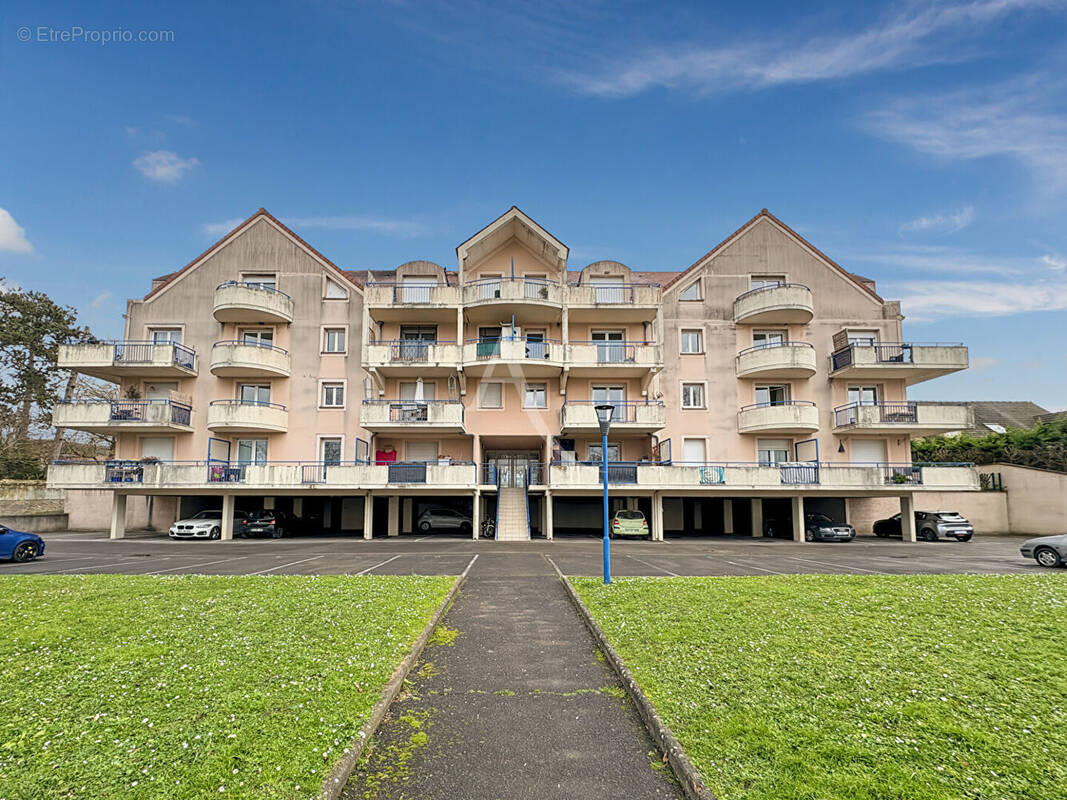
(629, 523)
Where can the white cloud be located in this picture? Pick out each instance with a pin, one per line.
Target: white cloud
(1054, 261)
(949, 223)
(384, 226)
(12, 236)
(983, 362)
(931, 300)
(101, 299)
(940, 258)
(1020, 120)
(918, 36)
(164, 166)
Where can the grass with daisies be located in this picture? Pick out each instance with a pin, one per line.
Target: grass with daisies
(192, 687)
(861, 687)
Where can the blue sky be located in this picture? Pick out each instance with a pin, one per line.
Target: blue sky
(921, 144)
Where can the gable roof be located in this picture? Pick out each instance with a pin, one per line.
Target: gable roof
(1009, 414)
(765, 214)
(225, 240)
(517, 221)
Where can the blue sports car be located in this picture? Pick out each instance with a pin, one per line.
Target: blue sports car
(19, 546)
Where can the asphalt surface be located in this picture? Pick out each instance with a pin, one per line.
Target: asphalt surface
(140, 554)
(517, 706)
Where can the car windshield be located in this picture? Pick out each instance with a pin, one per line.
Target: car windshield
(948, 514)
(820, 519)
(261, 513)
(208, 515)
(629, 515)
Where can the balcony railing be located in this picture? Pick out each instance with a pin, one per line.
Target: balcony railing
(412, 351)
(250, 301)
(613, 293)
(411, 293)
(515, 347)
(136, 353)
(778, 302)
(784, 359)
(146, 411)
(449, 413)
(904, 413)
(887, 353)
(622, 411)
(130, 357)
(513, 289)
(512, 473)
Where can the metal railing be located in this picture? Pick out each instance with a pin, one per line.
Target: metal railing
(906, 412)
(226, 473)
(254, 285)
(407, 472)
(776, 404)
(536, 348)
(615, 352)
(622, 410)
(511, 473)
(137, 411)
(414, 411)
(410, 351)
(884, 352)
(492, 288)
(247, 343)
(772, 345)
(131, 351)
(240, 402)
(779, 285)
(123, 472)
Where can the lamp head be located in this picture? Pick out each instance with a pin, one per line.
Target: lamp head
(603, 414)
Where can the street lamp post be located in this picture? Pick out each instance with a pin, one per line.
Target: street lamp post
(603, 415)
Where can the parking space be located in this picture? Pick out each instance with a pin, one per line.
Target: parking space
(142, 554)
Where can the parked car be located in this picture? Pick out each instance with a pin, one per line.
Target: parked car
(929, 526)
(817, 528)
(444, 519)
(272, 522)
(19, 546)
(207, 525)
(628, 522)
(1048, 551)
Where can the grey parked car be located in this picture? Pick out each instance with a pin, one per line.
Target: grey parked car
(1048, 551)
(929, 526)
(444, 519)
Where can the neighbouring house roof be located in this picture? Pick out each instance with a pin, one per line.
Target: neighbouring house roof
(992, 415)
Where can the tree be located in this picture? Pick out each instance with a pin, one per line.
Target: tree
(1044, 445)
(32, 326)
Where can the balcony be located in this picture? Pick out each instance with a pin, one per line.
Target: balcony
(623, 302)
(579, 416)
(397, 302)
(113, 361)
(537, 358)
(239, 359)
(411, 357)
(909, 416)
(781, 360)
(111, 417)
(781, 304)
(252, 302)
(439, 416)
(237, 416)
(615, 359)
(798, 416)
(914, 362)
(433, 475)
(496, 299)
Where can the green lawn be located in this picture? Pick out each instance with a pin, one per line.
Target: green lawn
(189, 687)
(832, 686)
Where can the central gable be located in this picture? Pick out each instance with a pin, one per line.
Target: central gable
(513, 226)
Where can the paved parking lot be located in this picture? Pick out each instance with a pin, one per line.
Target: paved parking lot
(155, 554)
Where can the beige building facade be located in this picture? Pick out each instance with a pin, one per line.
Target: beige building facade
(763, 382)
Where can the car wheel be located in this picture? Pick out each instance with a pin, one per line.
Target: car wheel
(1047, 557)
(25, 551)
(424, 526)
(216, 533)
(928, 535)
(278, 533)
(880, 534)
(809, 536)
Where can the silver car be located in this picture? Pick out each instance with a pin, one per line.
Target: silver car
(444, 519)
(1048, 551)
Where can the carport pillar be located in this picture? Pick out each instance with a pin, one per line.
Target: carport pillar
(548, 515)
(798, 518)
(368, 516)
(728, 515)
(757, 516)
(907, 517)
(476, 515)
(394, 515)
(657, 517)
(227, 516)
(118, 516)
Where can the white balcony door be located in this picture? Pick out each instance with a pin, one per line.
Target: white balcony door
(259, 337)
(167, 335)
(612, 396)
(694, 451)
(251, 451)
(409, 391)
(417, 288)
(867, 451)
(421, 451)
(614, 452)
(863, 395)
(773, 451)
(610, 348)
(161, 447)
(160, 391)
(608, 288)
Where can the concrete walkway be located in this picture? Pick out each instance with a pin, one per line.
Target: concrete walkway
(518, 706)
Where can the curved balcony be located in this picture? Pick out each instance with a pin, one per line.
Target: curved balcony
(238, 359)
(579, 416)
(537, 358)
(798, 416)
(912, 361)
(495, 299)
(907, 416)
(781, 360)
(236, 416)
(780, 304)
(115, 360)
(236, 301)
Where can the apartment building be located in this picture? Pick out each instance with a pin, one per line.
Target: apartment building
(761, 382)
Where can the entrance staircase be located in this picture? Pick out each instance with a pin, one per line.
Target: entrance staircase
(513, 520)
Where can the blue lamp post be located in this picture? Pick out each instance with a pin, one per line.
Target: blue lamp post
(603, 415)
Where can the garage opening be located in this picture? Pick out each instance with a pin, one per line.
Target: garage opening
(584, 516)
(688, 517)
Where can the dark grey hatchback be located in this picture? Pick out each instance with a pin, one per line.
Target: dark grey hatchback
(271, 522)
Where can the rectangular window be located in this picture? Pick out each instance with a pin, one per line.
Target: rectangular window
(536, 396)
(768, 338)
(330, 450)
(764, 281)
(333, 340)
(772, 395)
(691, 292)
(251, 451)
(612, 396)
(261, 337)
(692, 340)
(863, 338)
(693, 451)
(863, 395)
(333, 395)
(772, 451)
(692, 395)
(262, 281)
(257, 394)
(166, 335)
(595, 452)
(491, 395)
